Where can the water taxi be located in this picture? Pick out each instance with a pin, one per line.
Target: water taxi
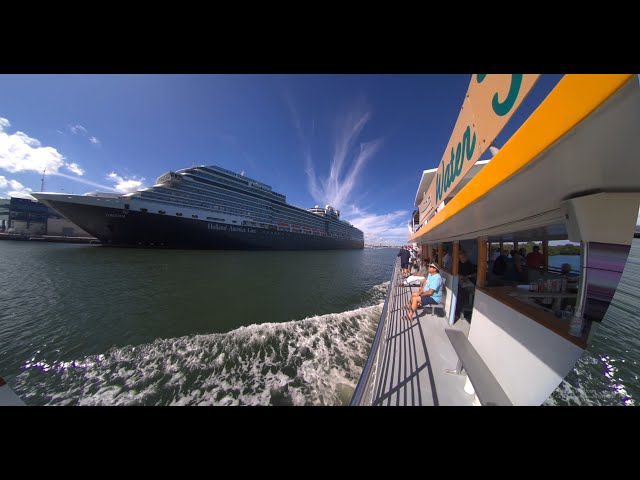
(569, 173)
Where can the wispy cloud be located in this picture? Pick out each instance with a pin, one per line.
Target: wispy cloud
(306, 147)
(232, 140)
(86, 182)
(125, 185)
(78, 130)
(16, 188)
(350, 155)
(83, 132)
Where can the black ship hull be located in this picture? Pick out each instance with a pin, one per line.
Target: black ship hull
(117, 227)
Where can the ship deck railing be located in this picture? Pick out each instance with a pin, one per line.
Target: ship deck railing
(409, 361)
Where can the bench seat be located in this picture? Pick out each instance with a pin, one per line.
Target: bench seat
(487, 388)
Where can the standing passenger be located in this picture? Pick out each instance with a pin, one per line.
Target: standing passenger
(534, 262)
(404, 260)
(447, 261)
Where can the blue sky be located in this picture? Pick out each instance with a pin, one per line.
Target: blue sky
(358, 142)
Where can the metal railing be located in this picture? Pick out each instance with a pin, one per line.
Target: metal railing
(363, 394)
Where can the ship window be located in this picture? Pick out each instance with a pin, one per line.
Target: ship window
(126, 206)
(178, 214)
(143, 210)
(194, 216)
(234, 221)
(162, 212)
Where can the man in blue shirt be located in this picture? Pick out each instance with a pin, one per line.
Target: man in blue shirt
(429, 293)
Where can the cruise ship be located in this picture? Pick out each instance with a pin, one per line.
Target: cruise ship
(205, 207)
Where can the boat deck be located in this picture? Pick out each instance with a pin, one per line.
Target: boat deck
(414, 356)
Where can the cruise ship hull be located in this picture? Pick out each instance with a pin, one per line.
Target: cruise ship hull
(121, 227)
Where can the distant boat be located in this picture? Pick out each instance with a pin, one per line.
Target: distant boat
(205, 207)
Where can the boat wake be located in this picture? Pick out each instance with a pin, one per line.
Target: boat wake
(313, 361)
(593, 381)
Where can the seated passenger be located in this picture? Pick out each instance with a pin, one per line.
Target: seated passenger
(417, 277)
(572, 278)
(430, 292)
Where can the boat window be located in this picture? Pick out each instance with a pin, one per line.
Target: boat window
(194, 216)
(126, 206)
(178, 214)
(162, 212)
(143, 210)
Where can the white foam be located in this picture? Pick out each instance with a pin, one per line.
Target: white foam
(313, 361)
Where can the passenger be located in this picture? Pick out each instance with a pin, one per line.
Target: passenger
(466, 269)
(513, 273)
(468, 272)
(430, 292)
(572, 278)
(534, 262)
(404, 260)
(447, 261)
(524, 271)
(418, 276)
(500, 264)
(412, 260)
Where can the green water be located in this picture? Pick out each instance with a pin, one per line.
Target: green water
(65, 304)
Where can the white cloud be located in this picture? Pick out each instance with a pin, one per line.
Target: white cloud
(21, 153)
(73, 167)
(386, 229)
(78, 130)
(83, 132)
(17, 189)
(125, 185)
